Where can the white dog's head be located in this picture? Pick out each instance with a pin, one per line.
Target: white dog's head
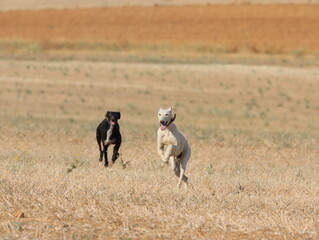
(165, 117)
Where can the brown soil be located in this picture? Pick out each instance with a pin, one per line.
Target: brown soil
(259, 28)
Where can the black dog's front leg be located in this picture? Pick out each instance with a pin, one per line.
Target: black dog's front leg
(101, 156)
(116, 151)
(99, 140)
(105, 147)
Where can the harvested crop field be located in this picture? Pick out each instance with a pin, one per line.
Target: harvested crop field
(262, 29)
(253, 131)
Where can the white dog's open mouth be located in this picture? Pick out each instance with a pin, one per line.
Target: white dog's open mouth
(163, 127)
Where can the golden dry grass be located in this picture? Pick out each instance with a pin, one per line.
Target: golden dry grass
(253, 131)
(164, 31)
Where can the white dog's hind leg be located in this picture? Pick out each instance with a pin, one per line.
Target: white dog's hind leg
(176, 167)
(172, 163)
(181, 176)
(183, 162)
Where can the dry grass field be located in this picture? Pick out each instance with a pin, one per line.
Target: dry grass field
(253, 128)
(253, 131)
(187, 32)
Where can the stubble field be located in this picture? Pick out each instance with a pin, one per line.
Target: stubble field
(253, 129)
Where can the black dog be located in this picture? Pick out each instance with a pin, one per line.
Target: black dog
(108, 132)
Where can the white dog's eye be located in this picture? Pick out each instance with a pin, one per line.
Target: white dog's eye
(159, 114)
(166, 114)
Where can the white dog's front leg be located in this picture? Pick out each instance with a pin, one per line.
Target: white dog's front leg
(168, 152)
(160, 150)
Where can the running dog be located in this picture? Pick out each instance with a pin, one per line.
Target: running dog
(177, 150)
(107, 133)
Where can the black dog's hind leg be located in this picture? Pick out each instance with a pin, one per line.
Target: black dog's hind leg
(98, 139)
(106, 164)
(116, 151)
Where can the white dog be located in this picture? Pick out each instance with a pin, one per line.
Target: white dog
(177, 150)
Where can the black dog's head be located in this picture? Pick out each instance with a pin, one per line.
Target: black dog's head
(112, 117)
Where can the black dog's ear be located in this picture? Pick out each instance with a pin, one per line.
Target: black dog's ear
(118, 115)
(107, 114)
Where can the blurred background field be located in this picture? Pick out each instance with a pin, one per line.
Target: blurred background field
(243, 80)
(59, 4)
(279, 33)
